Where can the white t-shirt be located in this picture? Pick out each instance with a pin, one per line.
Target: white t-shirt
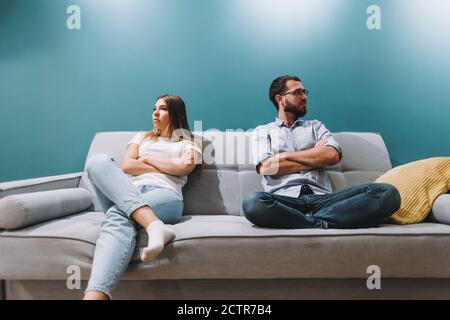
(162, 148)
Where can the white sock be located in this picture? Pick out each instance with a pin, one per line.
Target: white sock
(158, 235)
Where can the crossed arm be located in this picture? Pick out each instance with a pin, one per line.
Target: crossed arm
(135, 165)
(321, 155)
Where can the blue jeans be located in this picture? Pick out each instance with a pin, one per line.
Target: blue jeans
(361, 206)
(119, 198)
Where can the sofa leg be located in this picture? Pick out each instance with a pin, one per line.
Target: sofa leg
(2, 290)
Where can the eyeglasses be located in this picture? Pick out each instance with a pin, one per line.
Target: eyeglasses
(297, 92)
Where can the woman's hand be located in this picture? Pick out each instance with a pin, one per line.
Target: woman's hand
(188, 157)
(179, 166)
(135, 166)
(145, 159)
(151, 167)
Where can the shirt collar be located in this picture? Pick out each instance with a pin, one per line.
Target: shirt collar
(281, 123)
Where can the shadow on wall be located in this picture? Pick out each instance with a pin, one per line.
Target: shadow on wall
(20, 19)
(396, 163)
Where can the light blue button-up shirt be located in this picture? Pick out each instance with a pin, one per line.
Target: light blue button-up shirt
(276, 137)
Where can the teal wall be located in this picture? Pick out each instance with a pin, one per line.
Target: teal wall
(59, 86)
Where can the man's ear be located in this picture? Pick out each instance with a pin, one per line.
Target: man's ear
(278, 99)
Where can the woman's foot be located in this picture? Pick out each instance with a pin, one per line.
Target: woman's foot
(158, 235)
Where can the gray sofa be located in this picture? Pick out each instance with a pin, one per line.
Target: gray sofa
(217, 253)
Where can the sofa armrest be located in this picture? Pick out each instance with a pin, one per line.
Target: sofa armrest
(64, 181)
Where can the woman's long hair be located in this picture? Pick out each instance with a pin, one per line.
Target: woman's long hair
(178, 123)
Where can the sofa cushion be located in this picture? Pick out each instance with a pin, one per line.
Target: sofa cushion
(362, 151)
(249, 181)
(21, 210)
(419, 184)
(341, 180)
(212, 190)
(227, 247)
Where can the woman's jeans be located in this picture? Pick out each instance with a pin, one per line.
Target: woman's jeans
(119, 198)
(361, 206)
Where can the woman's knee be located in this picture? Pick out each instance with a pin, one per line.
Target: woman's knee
(96, 162)
(169, 212)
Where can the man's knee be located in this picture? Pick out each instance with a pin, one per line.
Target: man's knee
(387, 194)
(391, 196)
(253, 205)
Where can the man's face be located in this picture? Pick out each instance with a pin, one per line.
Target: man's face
(293, 100)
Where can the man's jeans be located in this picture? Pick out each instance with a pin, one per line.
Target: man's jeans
(360, 206)
(119, 198)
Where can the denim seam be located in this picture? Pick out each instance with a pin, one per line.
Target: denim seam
(160, 188)
(131, 209)
(115, 277)
(332, 198)
(348, 201)
(99, 288)
(165, 202)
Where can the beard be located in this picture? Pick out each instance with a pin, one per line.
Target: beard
(295, 110)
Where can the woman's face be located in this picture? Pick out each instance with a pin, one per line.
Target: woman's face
(161, 115)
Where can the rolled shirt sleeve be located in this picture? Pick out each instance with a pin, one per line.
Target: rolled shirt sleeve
(324, 133)
(261, 145)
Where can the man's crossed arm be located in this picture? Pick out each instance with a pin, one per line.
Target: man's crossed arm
(321, 155)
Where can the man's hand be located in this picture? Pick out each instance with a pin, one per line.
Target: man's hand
(321, 155)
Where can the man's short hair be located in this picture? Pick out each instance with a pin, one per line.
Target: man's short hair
(278, 86)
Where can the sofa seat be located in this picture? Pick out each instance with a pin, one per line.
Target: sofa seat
(218, 246)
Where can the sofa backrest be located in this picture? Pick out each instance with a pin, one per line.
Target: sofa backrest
(228, 173)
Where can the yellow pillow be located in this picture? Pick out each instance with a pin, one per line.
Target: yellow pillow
(419, 184)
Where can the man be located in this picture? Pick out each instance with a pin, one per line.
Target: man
(291, 154)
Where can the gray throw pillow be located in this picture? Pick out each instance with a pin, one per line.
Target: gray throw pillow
(441, 209)
(21, 210)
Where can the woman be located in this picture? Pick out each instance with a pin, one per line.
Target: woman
(145, 191)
